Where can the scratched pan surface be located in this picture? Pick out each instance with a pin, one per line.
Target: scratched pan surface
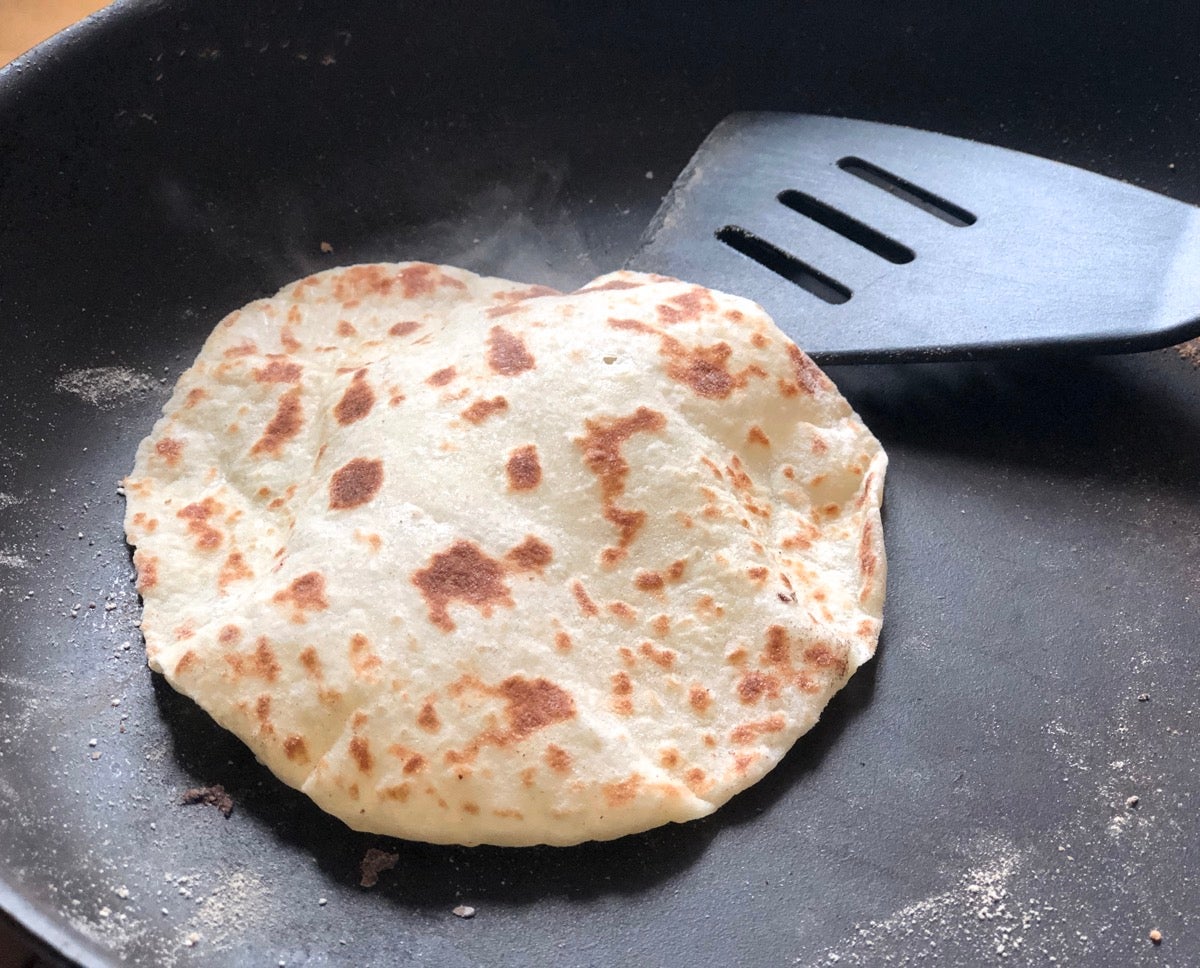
(962, 802)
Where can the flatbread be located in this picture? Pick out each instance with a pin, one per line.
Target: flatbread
(469, 561)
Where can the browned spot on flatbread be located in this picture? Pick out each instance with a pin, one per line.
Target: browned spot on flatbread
(756, 435)
(363, 661)
(186, 661)
(356, 402)
(286, 424)
(355, 483)
(752, 686)
(558, 759)
(631, 325)
(749, 732)
(197, 515)
(462, 573)
(441, 377)
(260, 664)
(147, 570)
(481, 409)
(229, 635)
(699, 698)
(808, 376)
(287, 339)
(360, 752)
(562, 641)
(601, 446)
(868, 560)
(669, 758)
(584, 600)
(823, 657)
(621, 792)
(507, 354)
(346, 328)
(687, 306)
(610, 286)
(295, 749)
(757, 574)
(304, 594)
(649, 581)
(279, 371)
(311, 662)
(663, 658)
(170, 450)
(195, 395)
(524, 469)
(245, 348)
(623, 611)
(419, 279)
(234, 569)
(530, 705)
(398, 791)
(262, 709)
(702, 368)
(661, 624)
(405, 328)
(428, 719)
(532, 554)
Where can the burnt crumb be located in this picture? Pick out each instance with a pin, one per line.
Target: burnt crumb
(1143, 697)
(374, 863)
(214, 796)
(326, 248)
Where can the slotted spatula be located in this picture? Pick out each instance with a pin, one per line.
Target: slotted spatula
(875, 243)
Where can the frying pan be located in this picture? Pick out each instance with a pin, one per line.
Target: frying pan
(964, 799)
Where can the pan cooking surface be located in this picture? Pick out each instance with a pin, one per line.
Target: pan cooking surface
(966, 796)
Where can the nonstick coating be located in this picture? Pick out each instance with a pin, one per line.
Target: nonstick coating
(962, 802)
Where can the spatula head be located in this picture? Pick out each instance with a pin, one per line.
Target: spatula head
(871, 242)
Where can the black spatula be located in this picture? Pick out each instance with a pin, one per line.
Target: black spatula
(871, 242)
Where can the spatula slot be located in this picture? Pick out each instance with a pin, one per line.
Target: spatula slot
(844, 225)
(784, 264)
(905, 190)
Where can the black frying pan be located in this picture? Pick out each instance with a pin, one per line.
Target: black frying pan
(168, 161)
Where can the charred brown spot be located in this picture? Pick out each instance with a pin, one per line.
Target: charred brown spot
(507, 354)
(419, 279)
(147, 571)
(532, 554)
(534, 704)
(823, 657)
(311, 662)
(611, 285)
(558, 759)
(809, 377)
(360, 750)
(428, 719)
(749, 732)
(524, 469)
(295, 749)
(631, 325)
(304, 594)
(194, 397)
(687, 306)
(197, 514)
(584, 600)
(186, 661)
(756, 435)
(480, 410)
(704, 369)
(229, 635)
(778, 650)
(462, 573)
(261, 663)
(562, 641)
(356, 402)
(364, 662)
(262, 708)
(441, 377)
(287, 338)
(752, 686)
(405, 328)
(699, 698)
(669, 758)
(279, 371)
(234, 569)
(620, 793)
(695, 779)
(868, 560)
(622, 685)
(355, 483)
(649, 581)
(757, 574)
(601, 446)
(623, 611)
(244, 348)
(661, 624)
(663, 658)
(170, 450)
(399, 792)
(286, 424)
(346, 328)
